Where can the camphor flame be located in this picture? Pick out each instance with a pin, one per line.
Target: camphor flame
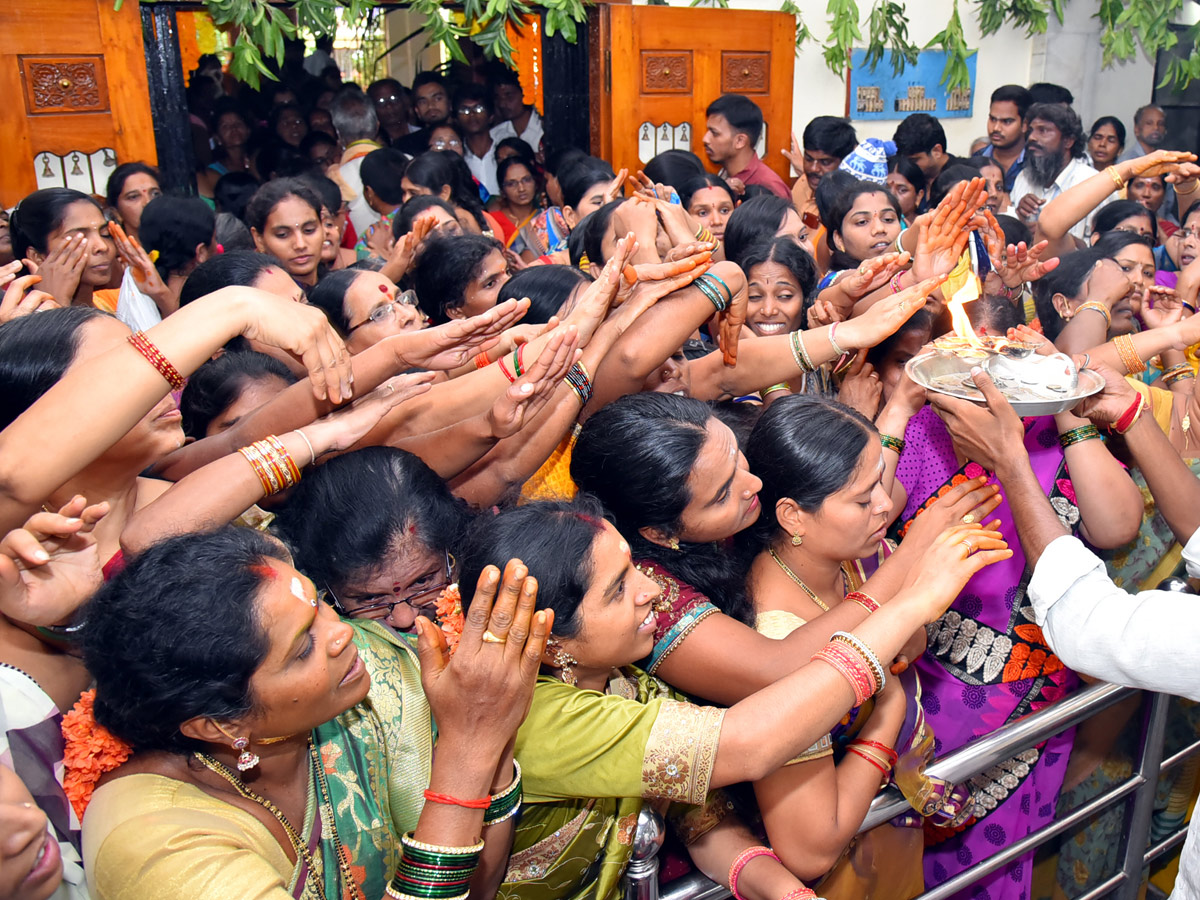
(959, 320)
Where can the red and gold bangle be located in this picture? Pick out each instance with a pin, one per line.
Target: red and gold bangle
(872, 760)
(889, 752)
(897, 287)
(849, 667)
(1129, 355)
(267, 478)
(447, 800)
(739, 863)
(285, 458)
(866, 601)
(153, 355)
(276, 463)
(482, 361)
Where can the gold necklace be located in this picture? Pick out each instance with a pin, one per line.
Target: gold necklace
(298, 844)
(792, 575)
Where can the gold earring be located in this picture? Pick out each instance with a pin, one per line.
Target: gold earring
(563, 661)
(673, 543)
(797, 539)
(247, 759)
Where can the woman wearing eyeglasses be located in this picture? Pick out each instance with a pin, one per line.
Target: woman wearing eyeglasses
(519, 192)
(365, 307)
(374, 529)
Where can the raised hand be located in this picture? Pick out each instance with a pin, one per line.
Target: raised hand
(942, 237)
(594, 303)
(952, 558)
(1019, 264)
(872, 274)
(613, 191)
(886, 316)
(50, 566)
(345, 427)
(138, 261)
(1107, 283)
(691, 248)
(305, 333)
(8, 272)
(496, 663)
(62, 268)
(455, 343)
(1167, 308)
(1160, 162)
(861, 388)
(20, 300)
(968, 503)
(1028, 207)
(822, 313)
(730, 322)
(526, 396)
(795, 156)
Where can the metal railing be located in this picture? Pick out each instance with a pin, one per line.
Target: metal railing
(1137, 791)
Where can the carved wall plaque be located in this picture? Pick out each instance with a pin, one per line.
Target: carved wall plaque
(64, 84)
(745, 73)
(666, 73)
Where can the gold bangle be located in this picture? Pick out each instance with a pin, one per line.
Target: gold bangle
(1129, 355)
(1096, 306)
(1116, 177)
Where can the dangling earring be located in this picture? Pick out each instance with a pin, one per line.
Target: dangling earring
(246, 760)
(563, 661)
(797, 539)
(673, 543)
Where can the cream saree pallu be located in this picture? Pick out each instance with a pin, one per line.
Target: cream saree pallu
(590, 761)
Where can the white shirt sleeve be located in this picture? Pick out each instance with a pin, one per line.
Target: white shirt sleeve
(1149, 640)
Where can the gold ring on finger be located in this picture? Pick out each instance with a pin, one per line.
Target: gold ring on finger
(968, 519)
(489, 638)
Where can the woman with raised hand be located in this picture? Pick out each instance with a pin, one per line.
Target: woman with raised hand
(279, 751)
(48, 569)
(625, 740)
(63, 237)
(671, 476)
(85, 406)
(826, 508)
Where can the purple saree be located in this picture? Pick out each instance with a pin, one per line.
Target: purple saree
(987, 664)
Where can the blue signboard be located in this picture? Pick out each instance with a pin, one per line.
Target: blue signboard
(882, 95)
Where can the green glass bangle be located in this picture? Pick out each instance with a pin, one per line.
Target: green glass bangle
(397, 893)
(892, 443)
(505, 804)
(711, 293)
(1078, 435)
(438, 855)
(721, 281)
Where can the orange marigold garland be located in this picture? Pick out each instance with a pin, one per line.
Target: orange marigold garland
(91, 750)
(450, 615)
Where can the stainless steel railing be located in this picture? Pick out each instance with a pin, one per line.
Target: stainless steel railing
(1137, 791)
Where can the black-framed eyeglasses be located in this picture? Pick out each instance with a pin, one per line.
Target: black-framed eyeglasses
(420, 600)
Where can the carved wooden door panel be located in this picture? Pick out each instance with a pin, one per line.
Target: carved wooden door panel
(74, 77)
(661, 66)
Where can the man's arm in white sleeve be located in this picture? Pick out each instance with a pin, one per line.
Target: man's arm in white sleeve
(1149, 640)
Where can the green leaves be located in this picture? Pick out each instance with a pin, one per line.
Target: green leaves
(955, 74)
(888, 27)
(843, 32)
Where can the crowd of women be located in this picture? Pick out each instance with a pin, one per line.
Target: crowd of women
(420, 568)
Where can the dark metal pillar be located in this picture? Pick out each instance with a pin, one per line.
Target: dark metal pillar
(168, 98)
(565, 66)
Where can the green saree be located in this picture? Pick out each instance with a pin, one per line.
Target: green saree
(589, 762)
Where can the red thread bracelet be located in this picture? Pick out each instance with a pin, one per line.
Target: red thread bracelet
(447, 800)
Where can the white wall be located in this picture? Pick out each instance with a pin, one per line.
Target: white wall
(1007, 57)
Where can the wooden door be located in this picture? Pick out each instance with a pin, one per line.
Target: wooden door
(661, 66)
(74, 76)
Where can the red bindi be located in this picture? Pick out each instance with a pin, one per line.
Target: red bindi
(383, 289)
